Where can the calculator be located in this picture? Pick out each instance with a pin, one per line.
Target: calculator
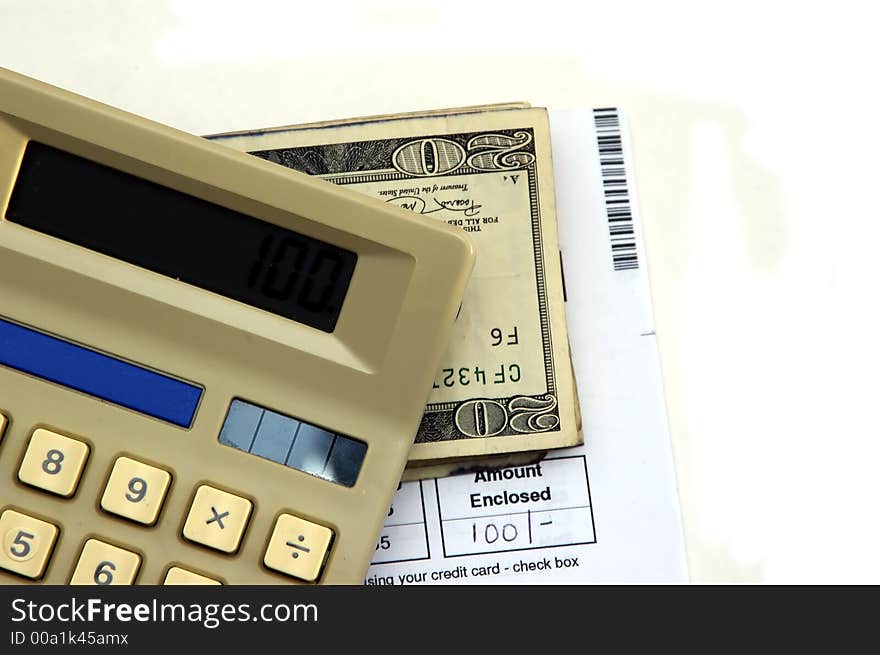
(211, 367)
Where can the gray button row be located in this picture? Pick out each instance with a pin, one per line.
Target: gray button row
(292, 442)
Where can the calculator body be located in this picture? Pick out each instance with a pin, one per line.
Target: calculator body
(359, 385)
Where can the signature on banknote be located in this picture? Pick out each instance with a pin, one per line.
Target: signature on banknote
(420, 206)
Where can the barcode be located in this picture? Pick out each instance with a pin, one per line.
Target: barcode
(617, 203)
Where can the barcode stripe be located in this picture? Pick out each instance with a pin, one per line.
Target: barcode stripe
(617, 204)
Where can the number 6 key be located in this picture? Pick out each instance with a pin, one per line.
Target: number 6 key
(104, 564)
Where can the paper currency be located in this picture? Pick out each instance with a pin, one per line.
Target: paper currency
(506, 384)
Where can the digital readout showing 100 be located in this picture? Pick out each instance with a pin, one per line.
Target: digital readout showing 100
(287, 266)
(181, 236)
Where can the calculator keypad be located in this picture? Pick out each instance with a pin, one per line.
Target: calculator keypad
(179, 576)
(298, 547)
(53, 462)
(27, 543)
(101, 563)
(136, 491)
(217, 519)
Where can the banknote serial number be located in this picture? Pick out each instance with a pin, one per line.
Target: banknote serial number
(466, 375)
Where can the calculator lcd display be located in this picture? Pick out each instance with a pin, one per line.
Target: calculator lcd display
(294, 443)
(181, 236)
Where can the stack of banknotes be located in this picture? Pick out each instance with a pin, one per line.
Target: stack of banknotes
(505, 393)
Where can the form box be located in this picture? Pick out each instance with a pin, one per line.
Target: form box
(517, 508)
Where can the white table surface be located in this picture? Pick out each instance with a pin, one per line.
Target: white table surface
(756, 140)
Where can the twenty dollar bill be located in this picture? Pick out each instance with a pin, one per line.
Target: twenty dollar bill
(506, 384)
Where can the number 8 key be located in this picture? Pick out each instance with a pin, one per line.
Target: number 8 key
(53, 462)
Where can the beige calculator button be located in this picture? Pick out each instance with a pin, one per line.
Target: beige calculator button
(3, 422)
(217, 519)
(27, 543)
(103, 564)
(179, 576)
(53, 462)
(135, 490)
(298, 547)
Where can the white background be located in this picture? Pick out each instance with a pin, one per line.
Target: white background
(756, 140)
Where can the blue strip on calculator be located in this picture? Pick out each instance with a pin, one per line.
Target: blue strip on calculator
(97, 374)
